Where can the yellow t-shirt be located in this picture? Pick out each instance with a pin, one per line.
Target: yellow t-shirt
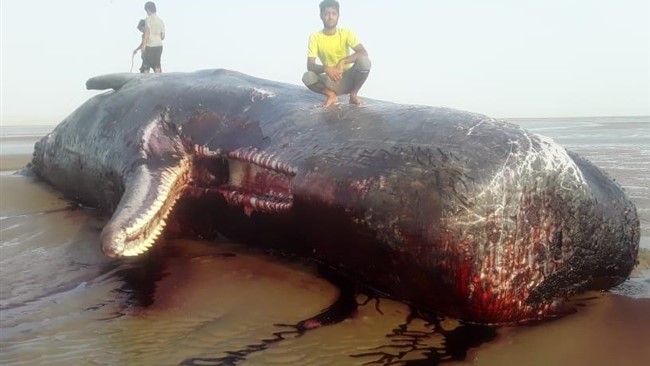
(331, 49)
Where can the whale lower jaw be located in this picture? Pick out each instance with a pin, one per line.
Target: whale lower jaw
(244, 178)
(146, 205)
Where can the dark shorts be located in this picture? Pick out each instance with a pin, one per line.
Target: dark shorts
(151, 57)
(344, 86)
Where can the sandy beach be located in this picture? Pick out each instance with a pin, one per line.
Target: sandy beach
(10, 163)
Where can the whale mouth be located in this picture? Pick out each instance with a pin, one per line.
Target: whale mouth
(248, 178)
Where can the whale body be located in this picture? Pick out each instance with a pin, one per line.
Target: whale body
(446, 210)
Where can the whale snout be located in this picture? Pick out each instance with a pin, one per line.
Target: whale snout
(113, 242)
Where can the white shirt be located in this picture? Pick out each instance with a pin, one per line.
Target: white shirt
(156, 29)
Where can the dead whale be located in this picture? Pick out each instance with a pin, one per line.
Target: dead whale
(446, 210)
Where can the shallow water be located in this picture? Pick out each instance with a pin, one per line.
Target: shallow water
(62, 302)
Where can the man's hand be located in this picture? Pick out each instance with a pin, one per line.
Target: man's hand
(335, 73)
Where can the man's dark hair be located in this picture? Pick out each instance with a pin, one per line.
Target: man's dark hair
(328, 4)
(141, 24)
(150, 7)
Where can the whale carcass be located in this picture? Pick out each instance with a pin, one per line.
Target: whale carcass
(446, 210)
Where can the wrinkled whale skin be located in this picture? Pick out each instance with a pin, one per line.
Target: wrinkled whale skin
(446, 210)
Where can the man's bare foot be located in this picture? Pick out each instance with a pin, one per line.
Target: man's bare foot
(331, 98)
(354, 99)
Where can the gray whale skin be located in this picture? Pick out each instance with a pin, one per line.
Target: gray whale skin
(448, 211)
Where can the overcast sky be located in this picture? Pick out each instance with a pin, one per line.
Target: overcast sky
(503, 58)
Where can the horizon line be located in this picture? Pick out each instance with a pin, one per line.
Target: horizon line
(42, 123)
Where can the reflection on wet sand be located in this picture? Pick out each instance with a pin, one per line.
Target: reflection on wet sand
(606, 330)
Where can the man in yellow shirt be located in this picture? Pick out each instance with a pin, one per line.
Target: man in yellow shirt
(340, 72)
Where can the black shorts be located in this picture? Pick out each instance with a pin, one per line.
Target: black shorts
(151, 58)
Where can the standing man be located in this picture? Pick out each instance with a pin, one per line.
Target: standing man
(340, 72)
(154, 34)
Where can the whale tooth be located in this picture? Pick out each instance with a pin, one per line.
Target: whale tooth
(138, 222)
(130, 252)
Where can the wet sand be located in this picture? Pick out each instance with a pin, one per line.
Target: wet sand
(62, 302)
(10, 163)
(607, 330)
